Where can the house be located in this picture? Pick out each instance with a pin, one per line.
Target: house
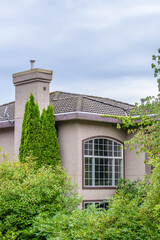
(91, 147)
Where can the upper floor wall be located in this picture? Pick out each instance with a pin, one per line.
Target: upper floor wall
(72, 136)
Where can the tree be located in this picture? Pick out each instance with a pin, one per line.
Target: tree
(49, 140)
(156, 67)
(147, 126)
(24, 125)
(146, 129)
(31, 130)
(39, 136)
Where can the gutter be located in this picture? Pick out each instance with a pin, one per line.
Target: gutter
(7, 123)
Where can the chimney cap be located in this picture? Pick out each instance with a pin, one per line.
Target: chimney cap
(32, 63)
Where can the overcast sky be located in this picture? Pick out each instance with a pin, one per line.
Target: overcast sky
(94, 47)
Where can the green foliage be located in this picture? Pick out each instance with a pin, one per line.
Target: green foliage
(26, 192)
(31, 131)
(87, 224)
(147, 126)
(24, 126)
(39, 136)
(49, 141)
(147, 136)
(132, 215)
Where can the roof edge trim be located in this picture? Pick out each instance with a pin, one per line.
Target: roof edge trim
(85, 116)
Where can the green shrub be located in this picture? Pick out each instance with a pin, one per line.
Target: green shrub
(126, 219)
(26, 192)
(85, 224)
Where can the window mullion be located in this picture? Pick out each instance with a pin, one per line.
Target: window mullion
(113, 172)
(93, 165)
(113, 165)
(122, 163)
(93, 172)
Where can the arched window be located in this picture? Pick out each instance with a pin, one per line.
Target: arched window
(103, 162)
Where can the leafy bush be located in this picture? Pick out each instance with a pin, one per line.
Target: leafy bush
(26, 192)
(128, 218)
(80, 224)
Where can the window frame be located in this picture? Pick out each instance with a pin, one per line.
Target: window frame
(94, 202)
(83, 161)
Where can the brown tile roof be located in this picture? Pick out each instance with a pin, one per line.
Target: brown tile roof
(7, 108)
(70, 102)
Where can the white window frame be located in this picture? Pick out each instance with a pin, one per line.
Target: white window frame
(92, 157)
(94, 203)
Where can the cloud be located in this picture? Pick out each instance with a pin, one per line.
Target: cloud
(90, 45)
(128, 89)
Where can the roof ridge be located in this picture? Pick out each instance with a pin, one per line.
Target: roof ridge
(59, 99)
(7, 103)
(110, 99)
(108, 104)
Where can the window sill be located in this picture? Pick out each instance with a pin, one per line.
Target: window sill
(98, 187)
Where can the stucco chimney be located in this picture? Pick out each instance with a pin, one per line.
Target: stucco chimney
(35, 81)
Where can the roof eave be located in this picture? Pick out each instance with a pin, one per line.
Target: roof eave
(6, 124)
(85, 116)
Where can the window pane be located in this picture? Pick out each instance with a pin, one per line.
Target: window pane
(86, 168)
(96, 182)
(110, 182)
(96, 160)
(86, 182)
(117, 150)
(88, 147)
(87, 205)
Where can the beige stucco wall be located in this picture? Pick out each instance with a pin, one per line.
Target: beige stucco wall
(72, 133)
(7, 141)
(134, 166)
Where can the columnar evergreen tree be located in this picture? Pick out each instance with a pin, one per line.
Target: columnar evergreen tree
(49, 140)
(24, 126)
(39, 136)
(31, 129)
